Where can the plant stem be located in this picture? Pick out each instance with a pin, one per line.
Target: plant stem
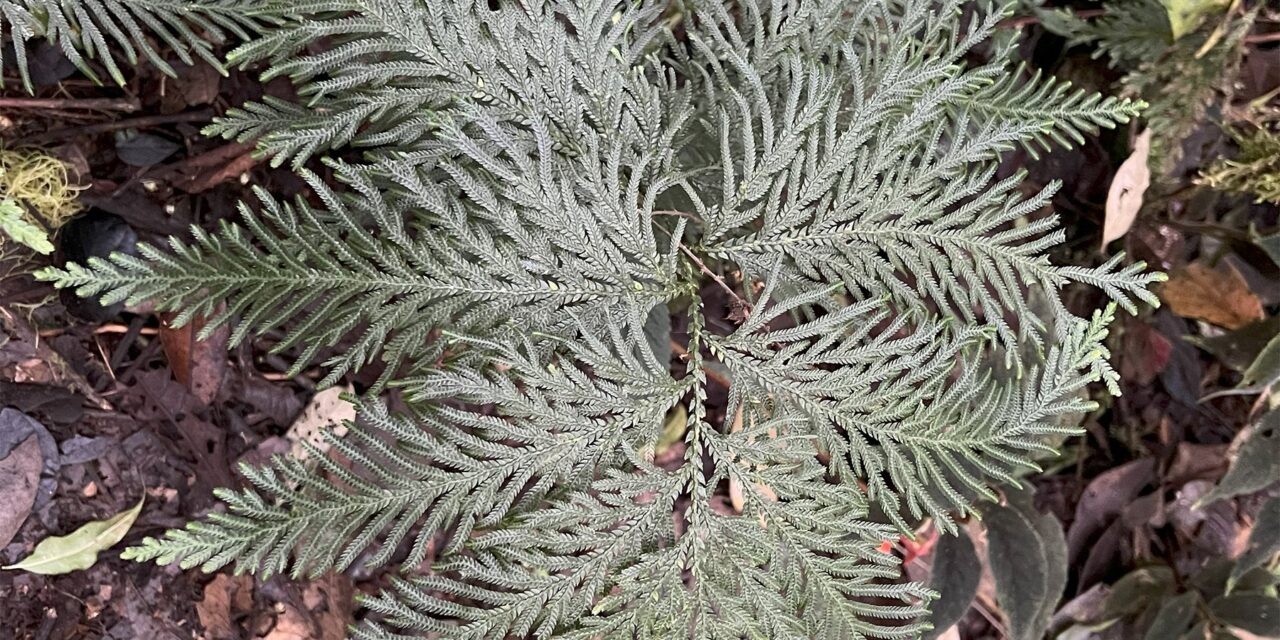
(202, 115)
(702, 266)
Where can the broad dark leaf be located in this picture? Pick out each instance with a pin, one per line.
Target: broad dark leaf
(1173, 618)
(956, 572)
(1256, 463)
(1104, 499)
(1264, 540)
(1138, 590)
(1238, 349)
(1255, 613)
(144, 149)
(1019, 538)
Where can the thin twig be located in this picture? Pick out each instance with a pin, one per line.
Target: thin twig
(679, 214)
(202, 115)
(104, 329)
(702, 266)
(1262, 37)
(127, 105)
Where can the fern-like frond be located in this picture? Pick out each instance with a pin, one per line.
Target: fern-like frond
(105, 30)
(1066, 115)
(543, 177)
(358, 267)
(441, 467)
(1128, 32)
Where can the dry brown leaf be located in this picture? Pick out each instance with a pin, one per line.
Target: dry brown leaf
(197, 364)
(330, 601)
(224, 596)
(1217, 296)
(290, 625)
(1124, 198)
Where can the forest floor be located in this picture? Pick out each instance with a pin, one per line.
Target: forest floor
(128, 409)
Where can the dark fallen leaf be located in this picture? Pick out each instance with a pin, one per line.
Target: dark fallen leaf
(276, 402)
(1183, 373)
(47, 64)
(53, 404)
(194, 85)
(94, 234)
(1017, 538)
(19, 481)
(1100, 559)
(144, 149)
(955, 574)
(1146, 352)
(1196, 462)
(1256, 460)
(1253, 612)
(1173, 618)
(15, 428)
(80, 449)
(1213, 528)
(1105, 499)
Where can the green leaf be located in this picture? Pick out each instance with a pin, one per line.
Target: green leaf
(955, 575)
(1186, 15)
(1253, 612)
(79, 550)
(1174, 617)
(1270, 244)
(1018, 538)
(1264, 541)
(1240, 348)
(14, 223)
(1137, 590)
(1256, 463)
(1263, 372)
(1265, 369)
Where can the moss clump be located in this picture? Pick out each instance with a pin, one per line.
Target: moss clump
(36, 197)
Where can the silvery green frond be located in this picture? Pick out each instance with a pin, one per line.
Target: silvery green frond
(541, 179)
(105, 30)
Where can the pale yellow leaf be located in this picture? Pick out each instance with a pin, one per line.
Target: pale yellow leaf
(1124, 198)
(79, 550)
